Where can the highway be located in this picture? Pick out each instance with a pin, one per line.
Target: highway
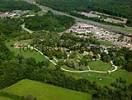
(122, 30)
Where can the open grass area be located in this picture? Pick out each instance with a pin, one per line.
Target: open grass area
(27, 53)
(105, 43)
(99, 65)
(106, 79)
(45, 91)
(4, 98)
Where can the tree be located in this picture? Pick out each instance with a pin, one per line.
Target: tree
(5, 53)
(105, 57)
(119, 61)
(129, 66)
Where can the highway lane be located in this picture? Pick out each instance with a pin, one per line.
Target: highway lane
(122, 30)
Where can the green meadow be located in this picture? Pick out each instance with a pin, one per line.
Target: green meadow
(44, 91)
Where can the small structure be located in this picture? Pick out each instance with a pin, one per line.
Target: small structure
(4, 15)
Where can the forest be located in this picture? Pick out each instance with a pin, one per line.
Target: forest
(120, 8)
(9, 5)
(9, 26)
(49, 22)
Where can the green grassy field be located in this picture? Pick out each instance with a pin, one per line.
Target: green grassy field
(4, 98)
(27, 54)
(45, 91)
(105, 43)
(107, 79)
(99, 65)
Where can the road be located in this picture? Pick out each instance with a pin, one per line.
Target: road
(26, 29)
(94, 71)
(85, 71)
(125, 30)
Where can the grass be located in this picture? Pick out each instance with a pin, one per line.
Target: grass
(4, 98)
(99, 65)
(94, 65)
(44, 91)
(107, 79)
(105, 43)
(27, 54)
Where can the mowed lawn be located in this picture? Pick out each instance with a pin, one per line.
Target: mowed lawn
(44, 91)
(99, 65)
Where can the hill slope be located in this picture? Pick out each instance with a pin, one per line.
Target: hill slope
(44, 91)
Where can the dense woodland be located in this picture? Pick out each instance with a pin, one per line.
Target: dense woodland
(9, 26)
(49, 22)
(121, 8)
(9, 5)
(122, 57)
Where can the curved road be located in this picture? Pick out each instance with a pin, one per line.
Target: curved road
(89, 70)
(26, 29)
(93, 71)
